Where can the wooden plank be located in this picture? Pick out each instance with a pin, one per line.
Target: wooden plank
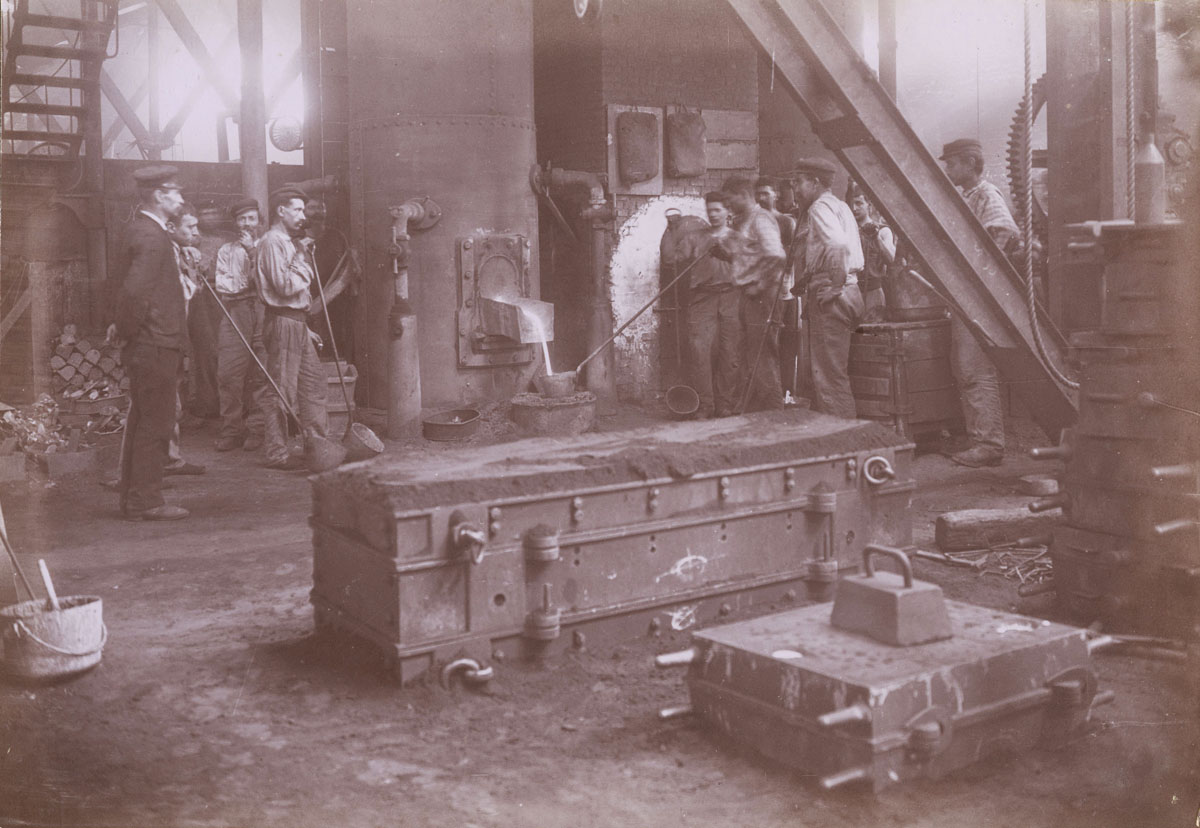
(981, 528)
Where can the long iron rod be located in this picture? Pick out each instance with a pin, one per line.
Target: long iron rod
(337, 360)
(17, 564)
(642, 310)
(254, 356)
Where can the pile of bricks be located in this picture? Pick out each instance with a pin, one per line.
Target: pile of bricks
(78, 368)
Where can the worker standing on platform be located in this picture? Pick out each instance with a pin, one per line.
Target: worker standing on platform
(285, 272)
(978, 382)
(833, 304)
(714, 330)
(766, 193)
(150, 315)
(879, 252)
(758, 259)
(239, 380)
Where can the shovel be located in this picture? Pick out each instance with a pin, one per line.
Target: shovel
(320, 453)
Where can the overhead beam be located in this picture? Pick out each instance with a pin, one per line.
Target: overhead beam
(118, 126)
(291, 71)
(195, 45)
(193, 97)
(126, 112)
(857, 119)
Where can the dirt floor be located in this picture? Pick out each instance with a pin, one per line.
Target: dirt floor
(215, 705)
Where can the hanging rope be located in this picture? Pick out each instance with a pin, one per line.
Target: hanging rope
(1026, 207)
(1130, 193)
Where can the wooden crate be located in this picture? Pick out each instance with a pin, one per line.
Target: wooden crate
(900, 375)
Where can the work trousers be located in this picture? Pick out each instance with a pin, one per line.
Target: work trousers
(240, 381)
(760, 354)
(293, 363)
(978, 388)
(153, 392)
(714, 333)
(830, 325)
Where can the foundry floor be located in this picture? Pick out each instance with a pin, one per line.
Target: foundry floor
(215, 705)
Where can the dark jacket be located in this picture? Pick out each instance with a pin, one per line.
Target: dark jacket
(149, 308)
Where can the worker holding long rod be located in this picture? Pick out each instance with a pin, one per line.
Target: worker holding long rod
(285, 273)
(758, 259)
(238, 381)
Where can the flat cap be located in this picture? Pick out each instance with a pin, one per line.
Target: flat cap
(287, 193)
(815, 166)
(156, 175)
(242, 205)
(962, 146)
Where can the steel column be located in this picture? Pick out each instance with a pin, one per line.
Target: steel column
(856, 119)
(252, 128)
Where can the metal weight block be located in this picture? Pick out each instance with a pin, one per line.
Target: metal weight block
(894, 609)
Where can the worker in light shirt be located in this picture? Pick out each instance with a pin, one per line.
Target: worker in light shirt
(284, 274)
(828, 276)
(240, 383)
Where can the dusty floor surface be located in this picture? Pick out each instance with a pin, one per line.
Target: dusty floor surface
(216, 706)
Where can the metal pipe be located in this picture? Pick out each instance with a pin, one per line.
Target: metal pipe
(854, 713)
(676, 659)
(675, 712)
(404, 361)
(835, 780)
(252, 126)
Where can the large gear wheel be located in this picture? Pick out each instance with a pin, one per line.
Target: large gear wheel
(1016, 157)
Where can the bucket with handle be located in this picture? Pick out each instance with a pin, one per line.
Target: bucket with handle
(43, 643)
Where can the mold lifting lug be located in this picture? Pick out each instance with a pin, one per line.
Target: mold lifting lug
(472, 672)
(466, 537)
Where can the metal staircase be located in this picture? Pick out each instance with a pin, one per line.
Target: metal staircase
(44, 106)
(856, 119)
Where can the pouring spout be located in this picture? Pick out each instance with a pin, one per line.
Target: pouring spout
(524, 320)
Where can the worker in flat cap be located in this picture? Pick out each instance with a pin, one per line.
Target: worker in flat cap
(284, 275)
(758, 260)
(240, 383)
(827, 277)
(978, 382)
(150, 315)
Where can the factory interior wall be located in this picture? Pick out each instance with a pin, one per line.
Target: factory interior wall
(658, 55)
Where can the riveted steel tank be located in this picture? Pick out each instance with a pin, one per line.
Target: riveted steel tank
(441, 105)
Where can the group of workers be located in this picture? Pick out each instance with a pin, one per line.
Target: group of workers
(262, 280)
(751, 264)
(749, 267)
